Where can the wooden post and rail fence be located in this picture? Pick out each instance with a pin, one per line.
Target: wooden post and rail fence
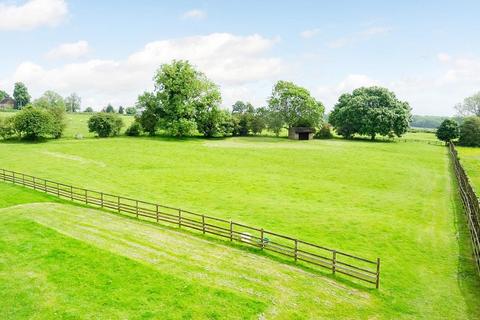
(300, 251)
(470, 203)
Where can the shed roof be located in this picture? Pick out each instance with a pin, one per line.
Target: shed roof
(303, 129)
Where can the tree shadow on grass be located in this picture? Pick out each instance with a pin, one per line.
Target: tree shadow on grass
(25, 141)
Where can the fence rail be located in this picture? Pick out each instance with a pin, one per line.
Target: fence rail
(298, 250)
(470, 203)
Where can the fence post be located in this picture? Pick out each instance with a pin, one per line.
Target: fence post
(4, 178)
(203, 223)
(34, 184)
(261, 239)
(45, 185)
(157, 212)
(231, 230)
(13, 179)
(23, 179)
(377, 283)
(296, 250)
(136, 208)
(179, 218)
(71, 193)
(101, 199)
(58, 190)
(334, 261)
(118, 204)
(86, 196)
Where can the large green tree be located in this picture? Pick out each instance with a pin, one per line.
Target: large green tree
(181, 95)
(470, 106)
(470, 132)
(21, 95)
(293, 106)
(53, 103)
(370, 111)
(448, 130)
(3, 95)
(73, 102)
(32, 123)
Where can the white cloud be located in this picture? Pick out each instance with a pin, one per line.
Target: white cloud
(194, 14)
(362, 35)
(239, 64)
(310, 33)
(72, 50)
(460, 69)
(32, 14)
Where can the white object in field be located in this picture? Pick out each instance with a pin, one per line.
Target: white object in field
(245, 237)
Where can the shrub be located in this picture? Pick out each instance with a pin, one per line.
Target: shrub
(7, 129)
(105, 124)
(325, 132)
(88, 109)
(134, 130)
(470, 132)
(33, 123)
(448, 130)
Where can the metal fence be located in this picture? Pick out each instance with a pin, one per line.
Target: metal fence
(470, 203)
(296, 249)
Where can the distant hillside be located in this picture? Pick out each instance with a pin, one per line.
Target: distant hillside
(431, 122)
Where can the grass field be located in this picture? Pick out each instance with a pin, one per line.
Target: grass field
(470, 159)
(396, 201)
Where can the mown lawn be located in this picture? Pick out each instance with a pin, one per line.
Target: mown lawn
(470, 159)
(396, 201)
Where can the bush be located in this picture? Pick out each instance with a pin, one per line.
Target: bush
(134, 130)
(470, 132)
(325, 132)
(7, 129)
(105, 124)
(448, 130)
(33, 123)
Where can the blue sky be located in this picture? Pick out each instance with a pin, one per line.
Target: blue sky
(107, 51)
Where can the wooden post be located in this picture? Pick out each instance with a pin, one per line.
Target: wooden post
(231, 230)
(4, 178)
(136, 208)
(71, 193)
(86, 196)
(334, 261)
(34, 184)
(157, 212)
(23, 179)
(45, 185)
(101, 199)
(261, 239)
(377, 283)
(203, 223)
(118, 204)
(13, 177)
(58, 190)
(179, 218)
(296, 250)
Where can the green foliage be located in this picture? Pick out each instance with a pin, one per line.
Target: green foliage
(431, 122)
(182, 94)
(448, 130)
(55, 105)
(134, 130)
(105, 124)
(88, 109)
(109, 109)
(3, 95)
(73, 103)
(21, 95)
(470, 132)
(131, 111)
(243, 113)
(325, 132)
(293, 106)
(370, 111)
(470, 106)
(213, 122)
(7, 129)
(33, 123)
(259, 121)
(121, 110)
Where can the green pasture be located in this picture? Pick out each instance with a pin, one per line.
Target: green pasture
(393, 200)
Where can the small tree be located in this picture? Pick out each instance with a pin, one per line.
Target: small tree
(105, 124)
(121, 110)
(3, 95)
(33, 123)
(325, 132)
(7, 129)
(88, 109)
(131, 111)
(470, 132)
(210, 122)
(470, 106)
(110, 109)
(73, 103)
(448, 130)
(55, 105)
(134, 130)
(21, 95)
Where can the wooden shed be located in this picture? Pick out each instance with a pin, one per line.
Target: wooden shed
(301, 133)
(7, 103)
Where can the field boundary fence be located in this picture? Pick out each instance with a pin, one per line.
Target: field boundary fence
(298, 250)
(469, 201)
